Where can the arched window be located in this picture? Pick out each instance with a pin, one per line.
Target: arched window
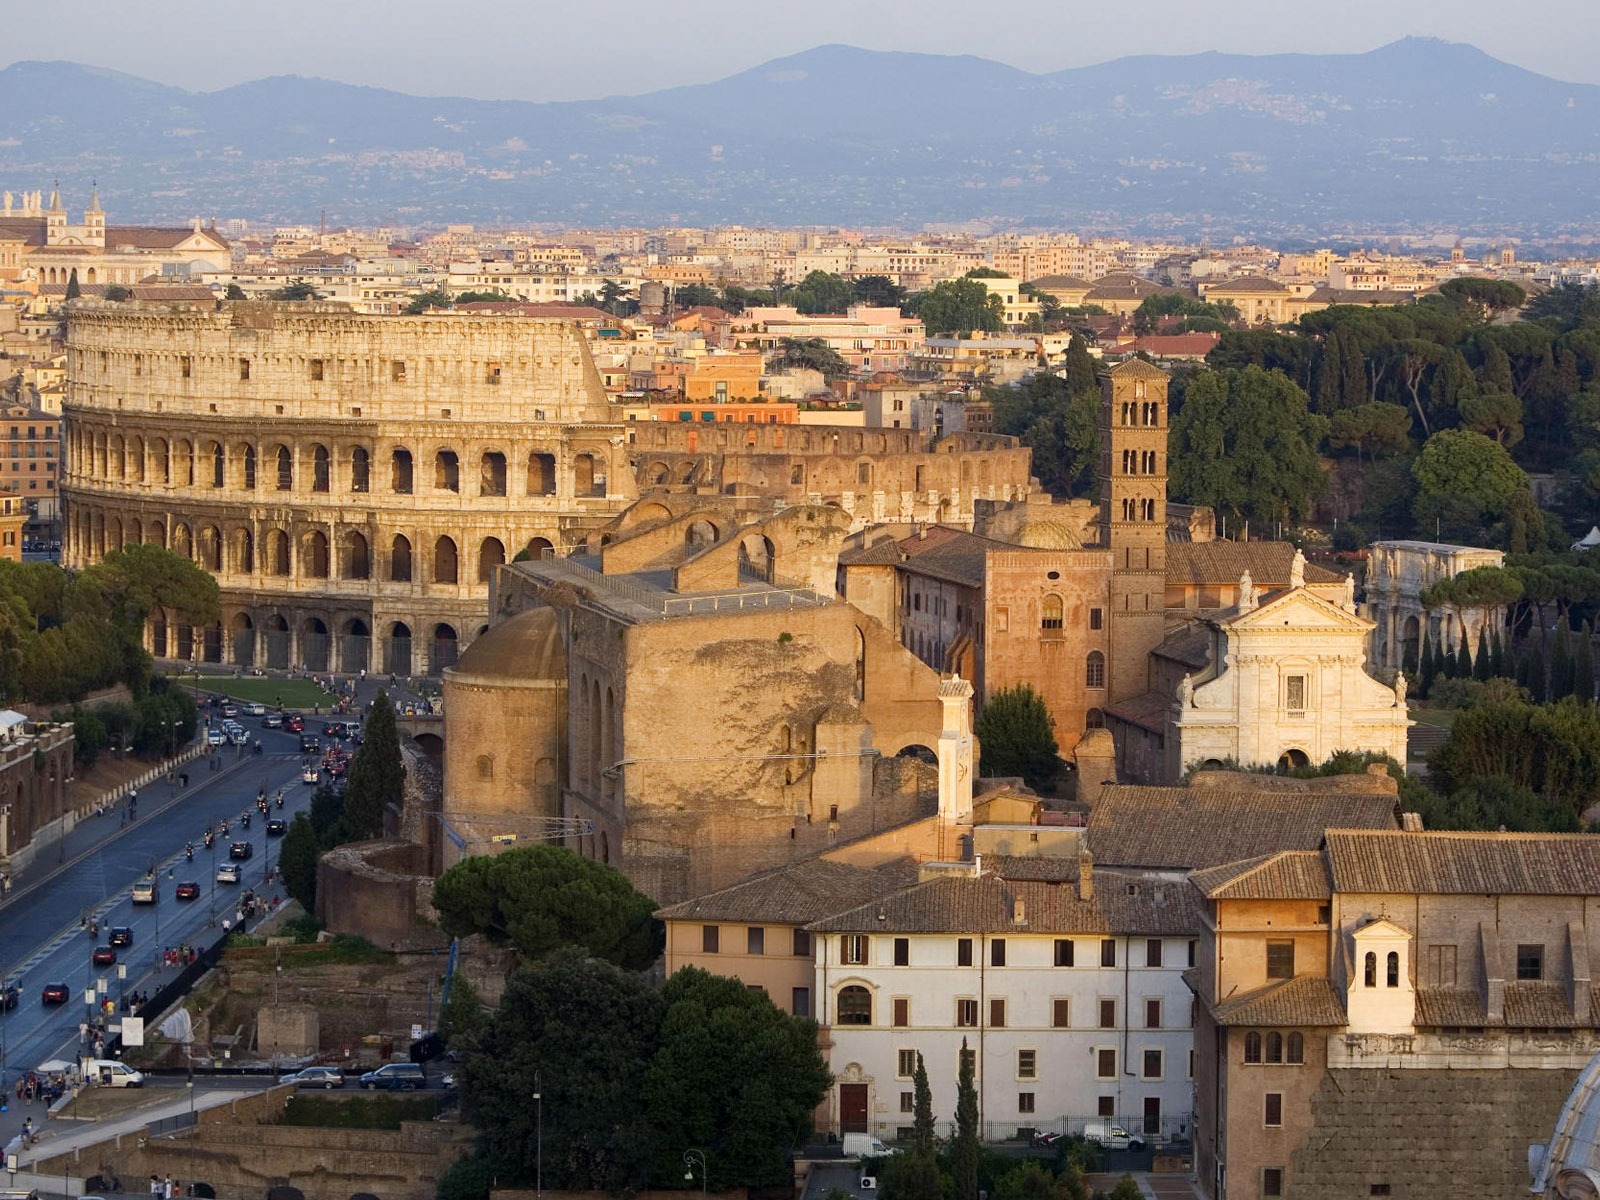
(491, 554)
(1297, 1049)
(357, 556)
(1274, 1047)
(447, 471)
(285, 469)
(854, 1006)
(278, 544)
(445, 569)
(485, 767)
(492, 474)
(248, 457)
(541, 474)
(400, 559)
(360, 469)
(319, 468)
(1050, 613)
(400, 471)
(1369, 970)
(314, 555)
(1252, 1047)
(1392, 970)
(218, 464)
(1094, 672)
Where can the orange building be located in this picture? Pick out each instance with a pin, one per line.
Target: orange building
(723, 377)
(30, 460)
(743, 412)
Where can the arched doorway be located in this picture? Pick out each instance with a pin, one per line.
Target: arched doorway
(445, 649)
(211, 642)
(277, 629)
(314, 644)
(757, 557)
(539, 548)
(1293, 759)
(355, 645)
(397, 649)
(244, 640)
(491, 554)
(1410, 640)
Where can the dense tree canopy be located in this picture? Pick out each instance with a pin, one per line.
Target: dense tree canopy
(959, 306)
(1465, 480)
(539, 899)
(822, 292)
(1058, 422)
(814, 354)
(1016, 737)
(377, 773)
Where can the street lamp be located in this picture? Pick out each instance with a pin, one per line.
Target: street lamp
(538, 1161)
(691, 1159)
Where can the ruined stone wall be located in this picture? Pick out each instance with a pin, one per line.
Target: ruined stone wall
(378, 890)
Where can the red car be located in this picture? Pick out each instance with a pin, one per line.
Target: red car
(187, 890)
(54, 993)
(103, 956)
(294, 723)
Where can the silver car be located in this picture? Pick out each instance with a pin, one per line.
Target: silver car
(315, 1077)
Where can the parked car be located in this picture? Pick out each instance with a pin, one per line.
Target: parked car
(314, 1077)
(864, 1145)
(1112, 1137)
(398, 1076)
(241, 850)
(54, 993)
(228, 873)
(189, 889)
(120, 935)
(103, 956)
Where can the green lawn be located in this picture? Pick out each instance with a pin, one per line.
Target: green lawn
(1444, 718)
(292, 693)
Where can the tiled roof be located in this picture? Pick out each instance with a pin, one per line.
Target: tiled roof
(1290, 875)
(796, 894)
(1127, 287)
(1305, 1000)
(1181, 828)
(1123, 903)
(953, 555)
(1333, 295)
(1136, 368)
(1198, 563)
(1247, 283)
(1038, 870)
(1046, 282)
(1147, 710)
(1493, 864)
(1189, 644)
(1441, 1006)
(1173, 345)
(883, 552)
(1528, 1005)
(1532, 1005)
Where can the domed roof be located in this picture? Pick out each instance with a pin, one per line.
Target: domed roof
(1050, 535)
(524, 648)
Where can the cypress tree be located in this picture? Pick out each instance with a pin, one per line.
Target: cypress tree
(922, 1141)
(1480, 664)
(1524, 669)
(1536, 676)
(1497, 656)
(1560, 665)
(964, 1151)
(377, 773)
(1430, 665)
(1463, 659)
(1447, 659)
(1583, 666)
(73, 290)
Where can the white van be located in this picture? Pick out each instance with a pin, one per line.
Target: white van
(864, 1145)
(108, 1072)
(1112, 1137)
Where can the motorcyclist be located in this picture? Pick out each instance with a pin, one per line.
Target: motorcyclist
(188, 852)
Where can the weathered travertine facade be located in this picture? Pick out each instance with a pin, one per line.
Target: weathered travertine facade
(353, 480)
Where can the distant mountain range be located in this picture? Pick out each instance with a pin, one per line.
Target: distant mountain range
(1418, 136)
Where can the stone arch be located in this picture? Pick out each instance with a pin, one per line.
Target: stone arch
(276, 631)
(242, 551)
(485, 766)
(588, 475)
(402, 472)
(314, 554)
(183, 466)
(278, 561)
(491, 554)
(209, 548)
(492, 473)
(216, 459)
(321, 468)
(446, 647)
(400, 559)
(136, 458)
(446, 560)
(360, 469)
(446, 471)
(283, 461)
(355, 646)
(118, 461)
(161, 452)
(918, 751)
(702, 531)
(243, 649)
(1410, 644)
(314, 643)
(247, 466)
(758, 558)
(156, 533)
(397, 649)
(182, 544)
(1293, 757)
(541, 479)
(114, 534)
(538, 548)
(355, 556)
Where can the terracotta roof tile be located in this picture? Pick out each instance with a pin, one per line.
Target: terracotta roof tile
(1552, 864)
(796, 894)
(1306, 1000)
(1199, 563)
(1291, 875)
(1442, 1006)
(1180, 828)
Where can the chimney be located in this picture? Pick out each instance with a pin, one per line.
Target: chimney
(1086, 875)
(1019, 911)
(955, 751)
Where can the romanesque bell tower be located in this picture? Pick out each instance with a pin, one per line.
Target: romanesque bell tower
(1133, 517)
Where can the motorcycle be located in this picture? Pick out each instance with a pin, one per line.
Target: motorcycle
(209, 839)
(222, 828)
(188, 852)
(244, 819)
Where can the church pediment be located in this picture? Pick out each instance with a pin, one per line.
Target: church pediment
(1297, 610)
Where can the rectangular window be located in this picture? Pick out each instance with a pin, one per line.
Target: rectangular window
(966, 1013)
(1027, 1064)
(902, 1011)
(1097, 618)
(800, 1001)
(1105, 1063)
(963, 952)
(1108, 1014)
(997, 1012)
(1530, 962)
(1108, 952)
(1152, 1064)
(185, 366)
(1442, 965)
(802, 943)
(908, 1102)
(1280, 960)
(710, 937)
(1272, 1110)
(1106, 1106)
(1272, 1181)
(1024, 1102)
(853, 948)
(316, 369)
(905, 1063)
(997, 952)
(1294, 693)
(397, 370)
(1194, 951)
(902, 952)
(244, 368)
(755, 940)
(491, 373)
(1152, 952)
(1061, 1013)
(1063, 952)
(1152, 1014)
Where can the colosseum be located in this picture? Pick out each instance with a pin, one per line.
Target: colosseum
(353, 481)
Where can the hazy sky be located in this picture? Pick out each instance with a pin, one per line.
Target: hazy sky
(560, 50)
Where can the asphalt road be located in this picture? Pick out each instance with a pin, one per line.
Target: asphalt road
(41, 939)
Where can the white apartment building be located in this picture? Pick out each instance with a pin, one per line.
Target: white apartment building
(1065, 982)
